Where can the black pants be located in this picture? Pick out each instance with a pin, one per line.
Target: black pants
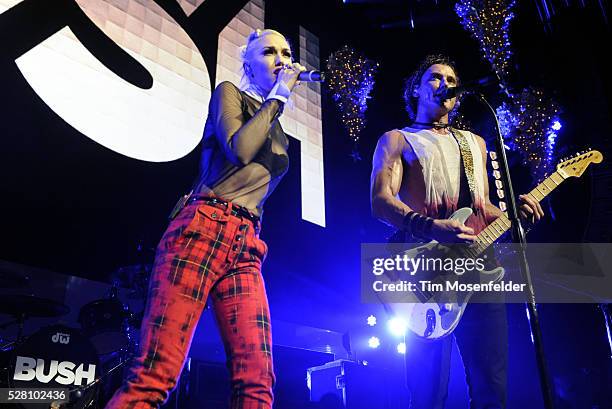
(482, 338)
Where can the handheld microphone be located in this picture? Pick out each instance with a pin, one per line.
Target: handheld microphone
(311, 76)
(449, 93)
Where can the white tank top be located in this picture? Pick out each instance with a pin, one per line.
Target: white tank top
(440, 159)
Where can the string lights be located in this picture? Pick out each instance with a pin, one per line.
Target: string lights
(350, 79)
(529, 120)
(489, 22)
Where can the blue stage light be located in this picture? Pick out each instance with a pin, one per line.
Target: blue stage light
(397, 326)
(374, 342)
(401, 348)
(556, 126)
(371, 320)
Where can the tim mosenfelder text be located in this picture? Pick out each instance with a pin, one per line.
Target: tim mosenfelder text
(424, 285)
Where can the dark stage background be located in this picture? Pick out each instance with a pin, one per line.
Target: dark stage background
(71, 206)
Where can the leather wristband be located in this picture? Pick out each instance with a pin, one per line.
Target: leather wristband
(417, 225)
(407, 222)
(422, 227)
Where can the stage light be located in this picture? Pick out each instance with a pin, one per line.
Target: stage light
(371, 320)
(401, 348)
(397, 326)
(374, 342)
(556, 126)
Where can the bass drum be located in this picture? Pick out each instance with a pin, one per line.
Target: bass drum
(56, 357)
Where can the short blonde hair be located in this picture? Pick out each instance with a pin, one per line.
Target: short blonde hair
(246, 49)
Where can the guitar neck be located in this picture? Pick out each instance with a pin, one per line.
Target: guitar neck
(501, 225)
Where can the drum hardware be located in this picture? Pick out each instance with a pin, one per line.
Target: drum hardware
(135, 319)
(136, 277)
(109, 325)
(77, 393)
(606, 310)
(6, 345)
(105, 323)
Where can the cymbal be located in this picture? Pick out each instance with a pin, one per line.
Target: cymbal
(16, 305)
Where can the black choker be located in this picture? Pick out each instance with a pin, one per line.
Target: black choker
(436, 125)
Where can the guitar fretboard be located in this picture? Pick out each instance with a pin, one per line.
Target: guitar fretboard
(501, 225)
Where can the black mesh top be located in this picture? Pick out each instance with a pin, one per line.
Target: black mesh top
(244, 149)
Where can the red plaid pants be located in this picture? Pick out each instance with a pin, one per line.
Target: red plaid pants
(207, 249)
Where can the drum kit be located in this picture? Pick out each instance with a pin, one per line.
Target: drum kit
(89, 361)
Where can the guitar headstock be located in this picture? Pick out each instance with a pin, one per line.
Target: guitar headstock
(578, 163)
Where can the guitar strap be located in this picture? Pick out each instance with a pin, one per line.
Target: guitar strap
(467, 159)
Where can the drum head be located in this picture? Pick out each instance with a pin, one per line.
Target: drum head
(104, 322)
(55, 357)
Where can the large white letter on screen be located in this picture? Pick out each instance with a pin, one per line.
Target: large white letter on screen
(163, 123)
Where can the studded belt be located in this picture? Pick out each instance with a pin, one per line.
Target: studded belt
(236, 210)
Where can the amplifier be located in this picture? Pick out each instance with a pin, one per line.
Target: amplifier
(347, 384)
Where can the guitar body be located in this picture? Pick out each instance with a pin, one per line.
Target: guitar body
(434, 316)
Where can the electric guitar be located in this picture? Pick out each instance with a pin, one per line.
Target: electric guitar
(433, 314)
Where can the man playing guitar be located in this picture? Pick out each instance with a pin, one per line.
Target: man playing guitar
(421, 175)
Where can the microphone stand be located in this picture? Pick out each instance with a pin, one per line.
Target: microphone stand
(518, 237)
